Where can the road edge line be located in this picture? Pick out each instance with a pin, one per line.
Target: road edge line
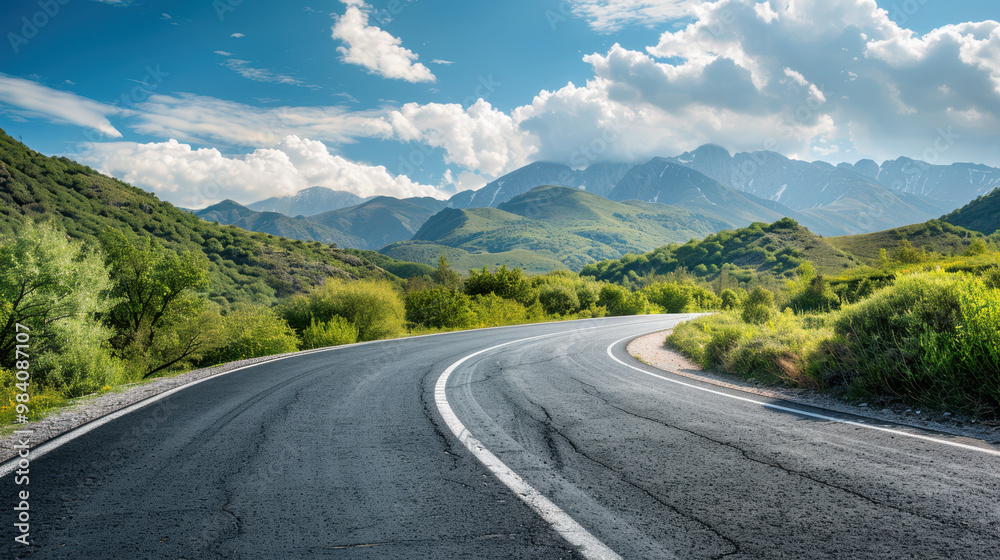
(781, 408)
(560, 521)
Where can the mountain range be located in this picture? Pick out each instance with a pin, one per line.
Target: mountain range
(709, 184)
(551, 227)
(242, 266)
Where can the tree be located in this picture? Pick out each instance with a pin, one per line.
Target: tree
(56, 288)
(445, 275)
(156, 297)
(45, 278)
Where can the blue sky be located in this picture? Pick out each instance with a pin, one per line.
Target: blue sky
(200, 101)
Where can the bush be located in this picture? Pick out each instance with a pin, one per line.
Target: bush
(731, 299)
(334, 332)
(505, 282)
(492, 310)
(558, 300)
(374, 306)
(440, 308)
(758, 307)
(672, 298)
(619, 301)
(932, 339)
(815, 296)
(253, 332)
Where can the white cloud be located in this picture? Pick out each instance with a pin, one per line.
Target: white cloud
(34, 99)
(607, 16)
(223, 53)
(809, 78)
(442, 62)
(374, 49)
(479, 138)
(237, 35)
(204, 120)
(196, 178)
(243, 68)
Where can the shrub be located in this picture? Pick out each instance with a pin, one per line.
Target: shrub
(334, 332)
(758, 307)
(439, 308)
(505, 282)
(816, 295)
(252, 332)
(731, 299)
(374, 306)
(491, 310)
(673, 298)
(619, 301)
(558, 300)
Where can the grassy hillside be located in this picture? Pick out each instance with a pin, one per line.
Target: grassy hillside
(426, 252)
(934, 236)
(776, 249)
(243, 266)
(982, 214)
(559, 226)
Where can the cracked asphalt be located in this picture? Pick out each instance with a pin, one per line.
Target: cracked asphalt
(342, 454)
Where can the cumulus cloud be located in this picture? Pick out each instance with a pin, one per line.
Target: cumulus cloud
(374, 49)
(479, 138)
(809, 78)
(203, 120)
(33, 99)
(606, 16)
(195, 178)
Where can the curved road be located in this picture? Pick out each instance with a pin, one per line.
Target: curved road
(350, 453)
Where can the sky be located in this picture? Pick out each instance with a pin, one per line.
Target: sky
(200, 101)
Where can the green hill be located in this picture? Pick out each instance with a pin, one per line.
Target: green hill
(551, 227)
(244, 266)
(982, 214)
(381, 220)
(934, 236)
(776, 249)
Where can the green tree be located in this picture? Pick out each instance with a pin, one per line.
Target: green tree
(56, 288)
(444, 275)
(154, 289)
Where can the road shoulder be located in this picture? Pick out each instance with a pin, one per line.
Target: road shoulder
(650, 350)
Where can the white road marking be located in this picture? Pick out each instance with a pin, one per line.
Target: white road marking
(801, 412)
(588, 545)
(38, 451)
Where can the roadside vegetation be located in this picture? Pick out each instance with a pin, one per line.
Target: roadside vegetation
(119, 308)
(918, 328)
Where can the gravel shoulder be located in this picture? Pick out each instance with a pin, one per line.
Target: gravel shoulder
(650, 350)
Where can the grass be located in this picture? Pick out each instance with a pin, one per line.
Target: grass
(934, 236)
(930, 339)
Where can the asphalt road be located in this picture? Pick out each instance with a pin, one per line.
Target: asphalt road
(346, 454)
